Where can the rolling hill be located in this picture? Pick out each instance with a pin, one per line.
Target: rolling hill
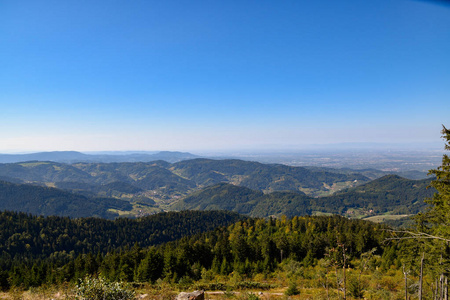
(50, 201)
(388, 194)
(245, 187)
(166, 182)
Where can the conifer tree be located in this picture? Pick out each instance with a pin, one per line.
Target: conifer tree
(439, 214)
(434, 224)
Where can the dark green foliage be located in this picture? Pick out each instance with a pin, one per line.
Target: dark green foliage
(356, 288)
(23, 235)
(434, 223)
(254, 246)
(4, 284)
(246, 201)
(292, 290)
(49, 201)
(222, 196)
(11, 179)
(438, 216)
(247, 247)
(390, 193)
(150, 268)
(122, 187)
(387, 194)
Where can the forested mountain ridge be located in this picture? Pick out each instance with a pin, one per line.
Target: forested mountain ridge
(205, 185)
(74, 156)
(390, 193)
(164, 181)
(373, 173)
(246, 201)
(50, 201)
(26, 236)
(263, 177)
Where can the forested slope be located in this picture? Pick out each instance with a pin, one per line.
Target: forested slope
(390, 193)
(50, 201)
(160, 180)
(26, 236)
(247, 248)
(247, 201)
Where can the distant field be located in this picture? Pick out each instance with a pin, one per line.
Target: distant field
(382, 218)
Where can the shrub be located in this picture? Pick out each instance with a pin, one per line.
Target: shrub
(249, 296)
(91, 288)
(292, 290)
(356, 288)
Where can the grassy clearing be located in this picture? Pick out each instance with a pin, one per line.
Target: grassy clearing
(34, 164)
(382, 218)
(138, 210)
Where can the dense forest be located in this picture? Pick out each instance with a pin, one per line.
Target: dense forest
(389, 193)
(23, 236)
(322, 254)
(247, 247)
(50, 201)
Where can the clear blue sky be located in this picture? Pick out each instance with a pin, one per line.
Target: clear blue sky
(216, 75)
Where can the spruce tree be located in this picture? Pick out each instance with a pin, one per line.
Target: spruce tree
(439, 214)
(434, 224)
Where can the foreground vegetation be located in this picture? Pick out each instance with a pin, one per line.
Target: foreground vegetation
(311, 255)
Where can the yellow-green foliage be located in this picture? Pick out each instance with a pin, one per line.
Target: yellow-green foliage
(91, 288)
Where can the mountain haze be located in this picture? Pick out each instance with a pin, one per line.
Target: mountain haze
(74, 156)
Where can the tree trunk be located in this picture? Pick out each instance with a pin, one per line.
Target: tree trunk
(345, 280)
(441, 282)
(446, 288)
(406, 282)
(337, 282)
(436, 291)
(421, 276)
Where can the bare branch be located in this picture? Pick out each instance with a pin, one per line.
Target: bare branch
(414, 235)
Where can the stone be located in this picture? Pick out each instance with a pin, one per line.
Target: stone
(195, 295)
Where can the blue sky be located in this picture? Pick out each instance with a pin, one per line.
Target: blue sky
(218, 75)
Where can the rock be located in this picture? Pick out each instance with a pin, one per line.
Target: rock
(195, 295)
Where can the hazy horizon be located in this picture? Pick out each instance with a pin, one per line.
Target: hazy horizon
(221, 76)
(383, 147)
